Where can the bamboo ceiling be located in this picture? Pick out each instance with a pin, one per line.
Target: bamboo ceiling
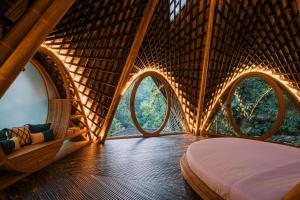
(198, 45)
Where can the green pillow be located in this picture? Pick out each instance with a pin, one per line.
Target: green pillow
(7, 146)
(3, 135)
(37, 128)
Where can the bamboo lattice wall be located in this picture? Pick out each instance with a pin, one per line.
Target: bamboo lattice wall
(174, 46)
(248, 35)
(94, 39)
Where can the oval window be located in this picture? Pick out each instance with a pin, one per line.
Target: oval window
(256, 107)
(150, 104)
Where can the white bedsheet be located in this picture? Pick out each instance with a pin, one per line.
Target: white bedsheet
(225, 163)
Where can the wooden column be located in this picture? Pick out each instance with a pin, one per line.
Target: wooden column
(30, 43)
(205, 64)
(141, 31)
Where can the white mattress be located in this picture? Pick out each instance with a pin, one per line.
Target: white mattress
(245, 169)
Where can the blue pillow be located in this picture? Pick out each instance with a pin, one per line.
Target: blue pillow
(44, 136)
(48, 135)
(7, 146)
(3, 135)
(37, 128)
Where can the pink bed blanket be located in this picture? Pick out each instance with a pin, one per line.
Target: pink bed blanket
(245, 169)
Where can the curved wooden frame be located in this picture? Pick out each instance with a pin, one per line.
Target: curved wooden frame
(68, 81)
(132, 106)
(47, 81)
(184, 122)
(34, 157)
(281, 105)
(284, 87)
(196, 183)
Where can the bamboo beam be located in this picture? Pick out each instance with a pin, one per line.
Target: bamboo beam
(30, 43)
(10, 41)
(137, 42)
(205, 64)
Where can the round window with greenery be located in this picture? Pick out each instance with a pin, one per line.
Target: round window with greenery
(151, 115)
(150, 105)
(256, 106)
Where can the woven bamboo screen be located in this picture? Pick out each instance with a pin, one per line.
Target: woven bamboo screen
(248, 35)
(174, 46)
(55, 74)
(94, 39)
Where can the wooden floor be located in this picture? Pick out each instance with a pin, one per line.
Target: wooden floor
(121, 169)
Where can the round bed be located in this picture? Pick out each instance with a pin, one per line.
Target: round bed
(235, 169)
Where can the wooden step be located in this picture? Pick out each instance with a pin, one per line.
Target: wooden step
(69, 147)
(77, 133)
(76, 116)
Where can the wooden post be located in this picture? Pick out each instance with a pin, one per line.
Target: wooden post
(31, 42)
(205, 64)
(137, 42)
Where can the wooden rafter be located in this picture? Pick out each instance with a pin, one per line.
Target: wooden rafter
(141, 31)
(205, 64)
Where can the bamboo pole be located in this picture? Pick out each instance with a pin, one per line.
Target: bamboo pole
(31, 42)
(10, 41)
(205, 65)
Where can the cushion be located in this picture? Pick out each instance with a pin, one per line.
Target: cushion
(8, 146)
(44, 136)
(293, 194)
(22, 133)
(37, 128)
(3, 135)
(48, 135)
(17, 143)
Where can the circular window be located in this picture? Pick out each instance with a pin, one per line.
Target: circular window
(256, 106)
(151, 115)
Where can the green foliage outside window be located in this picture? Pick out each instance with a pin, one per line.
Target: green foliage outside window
(255, 108)
(150, 106)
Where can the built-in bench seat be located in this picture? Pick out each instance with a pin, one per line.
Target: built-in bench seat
(27, 150)
(31, 158)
